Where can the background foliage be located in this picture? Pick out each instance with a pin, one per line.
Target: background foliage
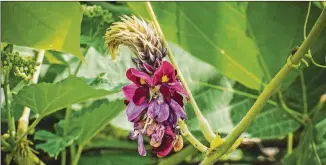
(228, 51)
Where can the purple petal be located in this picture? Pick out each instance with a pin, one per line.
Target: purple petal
(173, 119)
(153, 109)
(133, 110)
(129, 91)
(163, 112)
(141, 147)
(177, 109)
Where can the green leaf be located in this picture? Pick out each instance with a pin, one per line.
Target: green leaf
(46, 98)
(55, 143)
(94, 121)
(213, 32)
(43, 25)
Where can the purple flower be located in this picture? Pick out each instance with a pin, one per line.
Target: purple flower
(154, 105)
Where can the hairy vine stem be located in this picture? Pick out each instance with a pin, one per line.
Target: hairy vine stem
(24, 119)
(203, 123)
(269, 90)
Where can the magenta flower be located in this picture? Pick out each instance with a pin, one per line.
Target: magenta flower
(154, 105)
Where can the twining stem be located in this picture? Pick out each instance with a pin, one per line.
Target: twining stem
(306, 22)
(304, 94)
(186, 133)
(203, 123)
(290, 143)
(269, 90)
(24, 119)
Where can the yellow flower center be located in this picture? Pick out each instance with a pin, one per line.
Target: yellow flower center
(165, 79)
(142, 81)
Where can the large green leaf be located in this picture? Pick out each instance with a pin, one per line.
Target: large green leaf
(95, 120)
(46, 98)
(43, 25)
(215, 32)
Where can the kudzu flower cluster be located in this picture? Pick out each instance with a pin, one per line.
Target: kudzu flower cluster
(155, 97)
(95, 11)
(13, 63)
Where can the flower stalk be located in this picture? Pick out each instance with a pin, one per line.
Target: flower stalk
(186, 133)
(203, 123)
(269, 90)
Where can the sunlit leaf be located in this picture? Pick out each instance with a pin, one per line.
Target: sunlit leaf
(43, 25)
